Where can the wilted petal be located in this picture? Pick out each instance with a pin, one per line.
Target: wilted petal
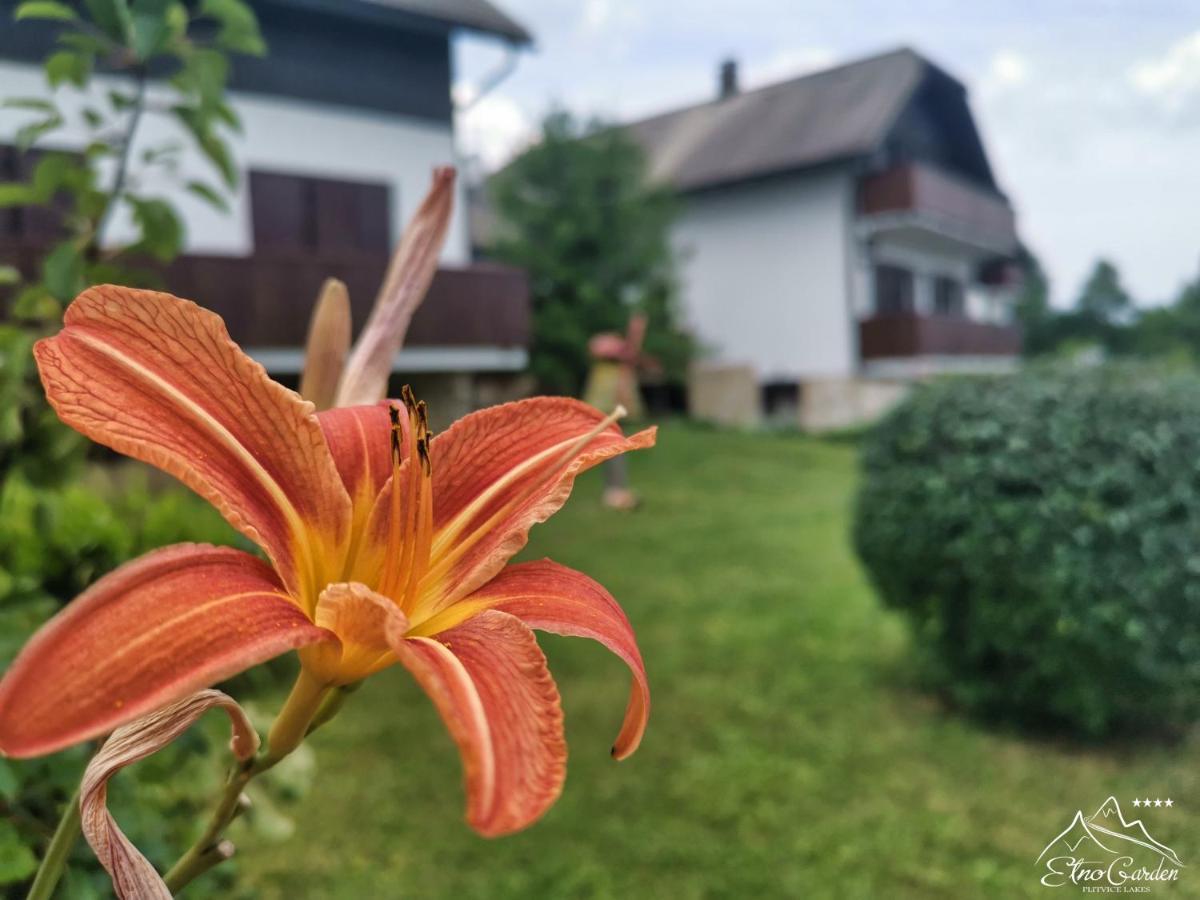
(404, 286)
(500, 471)
(554, 598)
(157, 378)
(489, 681)
(152, 631)
(327, 345)
(132, 875)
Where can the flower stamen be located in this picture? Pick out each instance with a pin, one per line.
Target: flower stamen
(410, 531)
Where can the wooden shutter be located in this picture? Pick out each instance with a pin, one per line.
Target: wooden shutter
(325, 216)
(351, 216)
(283, 213)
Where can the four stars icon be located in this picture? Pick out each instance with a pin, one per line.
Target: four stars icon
(1155, 802)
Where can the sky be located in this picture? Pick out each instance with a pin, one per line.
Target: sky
(1090, 111)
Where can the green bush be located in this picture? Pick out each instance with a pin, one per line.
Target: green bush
(64, 522)
(1042, 531)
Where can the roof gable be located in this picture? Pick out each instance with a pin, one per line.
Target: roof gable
(839, 113)
(936, 126)
(887, 110)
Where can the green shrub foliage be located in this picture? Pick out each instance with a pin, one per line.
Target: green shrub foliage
(1042, 531)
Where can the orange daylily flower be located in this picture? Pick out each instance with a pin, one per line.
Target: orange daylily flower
(385, 546)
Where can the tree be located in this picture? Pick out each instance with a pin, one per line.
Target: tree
(577, 213)
(1104, 299)
(186, 47)
(1032, 307)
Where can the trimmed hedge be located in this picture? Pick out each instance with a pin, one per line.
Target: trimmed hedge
(1042, 531)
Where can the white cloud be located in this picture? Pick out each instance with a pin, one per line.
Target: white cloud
(494, 130)
(1009, 67)
(1174, 78)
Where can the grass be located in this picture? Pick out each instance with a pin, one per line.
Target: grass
(788, 755)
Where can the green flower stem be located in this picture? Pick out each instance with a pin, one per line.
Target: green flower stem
(55, 861)
(291, 725)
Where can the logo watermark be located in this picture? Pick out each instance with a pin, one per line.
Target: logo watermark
(1105, 853)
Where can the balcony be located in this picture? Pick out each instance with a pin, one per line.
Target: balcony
(906, 335)
(475, 318)
(920, 198)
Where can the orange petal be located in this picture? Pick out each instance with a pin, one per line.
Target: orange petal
(500, 471)
(554, 598)
(404, 286)
(157, 378)
(133, 877)
(359, 438)
(152, 631)
(360, 619)
(327, 345)
(489, 681)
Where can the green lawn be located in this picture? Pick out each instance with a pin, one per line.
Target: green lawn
(788, 755)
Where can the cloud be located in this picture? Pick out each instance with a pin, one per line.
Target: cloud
(1009, 67)
(494, 130)
(1173, 80)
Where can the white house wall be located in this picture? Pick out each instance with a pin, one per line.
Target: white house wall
(279, 135)
(765, 275)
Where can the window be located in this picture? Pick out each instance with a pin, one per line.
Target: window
(948, 296)
(893, 290)
(297, 214)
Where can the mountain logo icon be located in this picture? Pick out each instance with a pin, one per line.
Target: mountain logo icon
(1108, 831)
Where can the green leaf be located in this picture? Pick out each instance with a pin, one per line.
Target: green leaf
(62, 271)
(45, 9)
(162, 230)
(226, 113)
(86, 43)
(70, 66)
(28, 135)
(17, 861)
(49, 174)
(204, 74)
(239, 32)
(121, 101)
(92, 116)
(152, 28)
(34, 304)
(113, 18)
(34, 104)
(208, 194)
(8, 275)
(16, 194)
(214, 149)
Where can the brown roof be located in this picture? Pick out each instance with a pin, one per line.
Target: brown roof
(838, 113)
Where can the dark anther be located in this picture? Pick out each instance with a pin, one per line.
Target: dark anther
(394, 415)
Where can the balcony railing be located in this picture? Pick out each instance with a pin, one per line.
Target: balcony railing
(947, 203)
(901, 335)
(266, 300)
